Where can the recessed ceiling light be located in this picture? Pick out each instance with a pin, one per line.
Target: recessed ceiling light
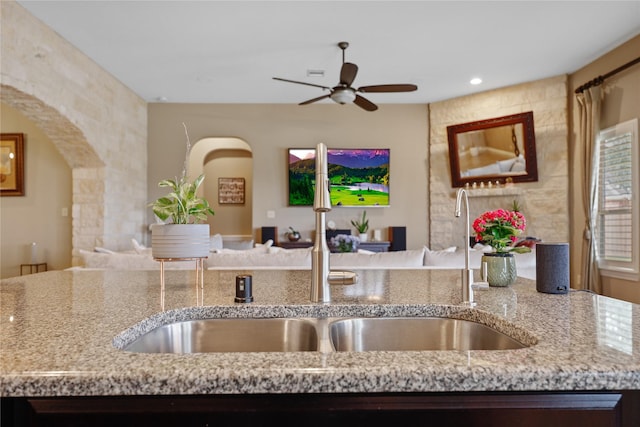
(162, 99)
(475, 81)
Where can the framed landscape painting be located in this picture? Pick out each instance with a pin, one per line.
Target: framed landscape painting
(358, 177)
(12, 164)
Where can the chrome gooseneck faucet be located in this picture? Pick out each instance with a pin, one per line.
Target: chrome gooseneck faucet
(467, 273)
(320, 253)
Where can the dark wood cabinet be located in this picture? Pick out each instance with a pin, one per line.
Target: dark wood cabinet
(544, 409)
(295, 245)
(368, 246)
(375, 246)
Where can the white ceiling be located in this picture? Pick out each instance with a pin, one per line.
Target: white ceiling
(228, 51)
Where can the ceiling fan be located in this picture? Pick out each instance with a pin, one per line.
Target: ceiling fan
(343, 92)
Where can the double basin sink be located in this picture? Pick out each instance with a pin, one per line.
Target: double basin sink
(322, 334)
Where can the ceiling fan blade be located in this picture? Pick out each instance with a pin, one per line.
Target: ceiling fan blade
(314, 100)
(388, 88)
(301, 83)
(365, 104)
(348, 73)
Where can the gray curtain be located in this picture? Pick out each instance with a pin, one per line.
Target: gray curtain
(589, 121)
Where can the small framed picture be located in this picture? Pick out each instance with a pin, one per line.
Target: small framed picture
(12, 164)
(230, 191)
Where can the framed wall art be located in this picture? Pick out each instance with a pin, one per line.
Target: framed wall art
(12, 164)
(230, 191)
(498, 149)
(358, 177)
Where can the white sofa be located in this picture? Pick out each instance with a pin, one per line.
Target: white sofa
(451, 258)
(270, 257)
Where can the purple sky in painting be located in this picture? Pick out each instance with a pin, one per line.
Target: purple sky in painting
(359, 158)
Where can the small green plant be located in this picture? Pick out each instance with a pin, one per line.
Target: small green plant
(361, 225)
(182, 205)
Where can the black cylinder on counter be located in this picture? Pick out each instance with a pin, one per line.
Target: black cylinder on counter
(552, 268)
(244, 292)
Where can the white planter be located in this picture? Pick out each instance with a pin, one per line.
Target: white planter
(180, 240)
(363, 237)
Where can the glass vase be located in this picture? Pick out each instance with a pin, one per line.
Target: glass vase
(501, 269)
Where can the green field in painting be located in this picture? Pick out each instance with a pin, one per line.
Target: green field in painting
(341, 195)
(301, 192)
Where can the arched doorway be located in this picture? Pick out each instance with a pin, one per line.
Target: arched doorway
(224, 157)
(86, 166)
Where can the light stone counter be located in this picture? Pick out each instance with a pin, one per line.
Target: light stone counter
(58, 330)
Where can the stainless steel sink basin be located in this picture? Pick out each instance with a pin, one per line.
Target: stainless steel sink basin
(321, 334)
(229, 335)
(419, 334)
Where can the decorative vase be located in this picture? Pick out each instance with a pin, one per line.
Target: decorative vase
(293, 236)
(363, 237)
(172, 241)
(501, 268)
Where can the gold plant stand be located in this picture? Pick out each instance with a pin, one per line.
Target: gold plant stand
(199, 278)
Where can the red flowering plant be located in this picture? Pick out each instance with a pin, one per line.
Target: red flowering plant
(500, 229)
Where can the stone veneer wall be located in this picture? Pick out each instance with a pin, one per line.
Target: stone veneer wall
(98, 125)
(545, 202)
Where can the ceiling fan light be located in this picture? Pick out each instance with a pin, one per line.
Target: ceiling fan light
(343, 96)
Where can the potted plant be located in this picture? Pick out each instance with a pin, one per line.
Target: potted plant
(184, 236)
(499, 229)
(362, 226)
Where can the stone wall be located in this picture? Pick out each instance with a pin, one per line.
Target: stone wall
(98, 125)
(545, 202)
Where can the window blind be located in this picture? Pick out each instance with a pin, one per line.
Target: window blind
(615, 213)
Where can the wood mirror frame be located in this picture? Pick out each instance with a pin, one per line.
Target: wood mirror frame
(500, 150)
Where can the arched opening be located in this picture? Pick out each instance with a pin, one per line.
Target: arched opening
(86, 170)
(221, 158)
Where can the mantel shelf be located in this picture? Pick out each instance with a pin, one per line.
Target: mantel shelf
(511, 190)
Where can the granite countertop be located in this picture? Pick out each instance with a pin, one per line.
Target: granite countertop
(58, 334)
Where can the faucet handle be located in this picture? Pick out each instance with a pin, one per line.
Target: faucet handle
(342, 277)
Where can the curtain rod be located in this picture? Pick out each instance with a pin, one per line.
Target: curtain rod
(600, 79)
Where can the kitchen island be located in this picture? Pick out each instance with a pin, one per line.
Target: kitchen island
(61, 336)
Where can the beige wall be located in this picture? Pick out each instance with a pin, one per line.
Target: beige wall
(621, 102)
(271, 129)
(38, 215)
(544, 203)
(96, 123)
(230, 219)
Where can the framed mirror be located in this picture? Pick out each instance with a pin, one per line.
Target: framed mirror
(500, 150)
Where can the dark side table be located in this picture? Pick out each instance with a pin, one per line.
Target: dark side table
(33, 267)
